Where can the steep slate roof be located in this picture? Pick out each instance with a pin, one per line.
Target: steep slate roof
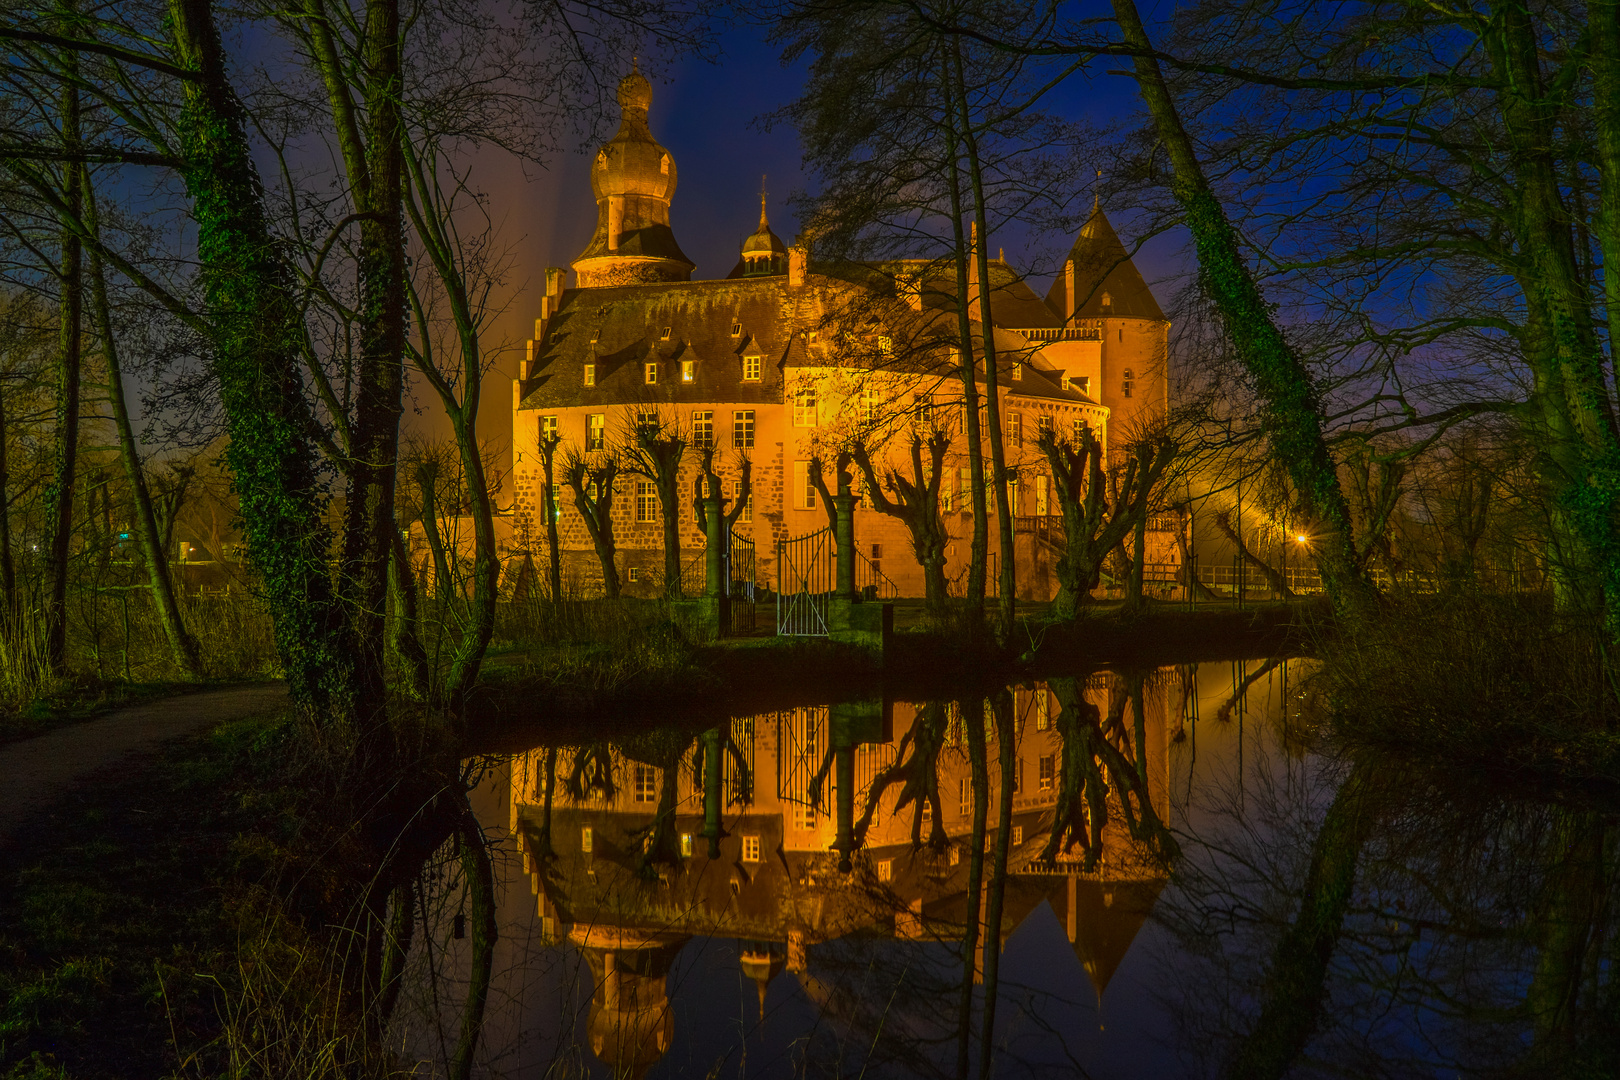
(628, 323)
(1102, 265)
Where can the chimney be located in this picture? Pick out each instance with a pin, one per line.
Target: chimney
(798, 265)
(973, 273)
(1068, 285)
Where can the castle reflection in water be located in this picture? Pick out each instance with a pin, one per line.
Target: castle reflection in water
(635, 846)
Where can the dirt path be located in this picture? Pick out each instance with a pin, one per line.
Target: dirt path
(35, 772)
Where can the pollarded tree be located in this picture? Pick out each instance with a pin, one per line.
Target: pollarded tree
(916, 503)
(1092, 528)
(652, 447)
(592, 482)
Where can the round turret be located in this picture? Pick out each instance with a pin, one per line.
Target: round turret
(633, 178)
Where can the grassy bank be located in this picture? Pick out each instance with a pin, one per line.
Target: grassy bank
(174, 919)
(1499, 687)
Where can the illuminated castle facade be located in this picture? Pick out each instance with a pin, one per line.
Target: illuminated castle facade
(787, 359)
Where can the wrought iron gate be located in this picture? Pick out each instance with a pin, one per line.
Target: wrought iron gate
(739, 580)
(805, 581)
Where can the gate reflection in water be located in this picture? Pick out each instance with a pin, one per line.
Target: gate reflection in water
(686, 956)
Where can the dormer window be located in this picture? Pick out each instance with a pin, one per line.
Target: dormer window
(665, 335)
(688, 370)
(736, 329)
(1018, 372)
(651, 374)
(601, 159)
(590, 374)
(1107, 301)
(751, 366)
(885, 345)
(663, 164)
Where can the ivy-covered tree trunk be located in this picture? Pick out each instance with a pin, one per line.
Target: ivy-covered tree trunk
(65, 447)
(980, 552)
(1288, 395)
(253, 313)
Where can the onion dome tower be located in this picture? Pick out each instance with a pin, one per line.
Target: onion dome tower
(763, 253)
(633, 178)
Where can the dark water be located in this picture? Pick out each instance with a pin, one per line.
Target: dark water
(1194, 813)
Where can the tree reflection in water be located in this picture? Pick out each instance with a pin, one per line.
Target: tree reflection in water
(881, 854)
(1287, 910)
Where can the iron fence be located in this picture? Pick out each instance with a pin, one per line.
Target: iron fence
(805, 583)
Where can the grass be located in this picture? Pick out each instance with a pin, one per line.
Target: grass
(1498, 686)
(127, 915)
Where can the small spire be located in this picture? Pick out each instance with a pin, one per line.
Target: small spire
(1096, 194)
(762, 222)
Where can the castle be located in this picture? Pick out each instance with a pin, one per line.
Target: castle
(786, 360)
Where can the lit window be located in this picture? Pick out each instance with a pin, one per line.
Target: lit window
(665, 335)
(686, 845)
(885, 345)
(965, 795)
(1043, 717)
(635, 573)
(688, 370)
(1015, 428)
(647, 420)
(1048, 771)
(1079, 431)
(804, 407)
(927, 811)
(751, 365)
(748, 503)
(663, 164)
(742, 429)
(548, 426)
(885, 869)
(646, 501)
(804, 492)
(1018, 776)
(1017, 372)
(736, 329)
(1017, 835)
(702, 430)
(1127, 388)
(804, 817)
(593, 491)
(596, 431)
(646, 783)
(586, 840)
(590, 374)
(1040, 495)
(750, 849)
(945, 493)
(964, 479)
(1107, 301)
(651, 374)
(1043, 422)
(869, 405)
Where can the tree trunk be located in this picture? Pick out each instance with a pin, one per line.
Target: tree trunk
(146, 526)
(256, 337)
(970, 388)
(548, 453)
(469, 653)
(1289, 396)
(59, 493)
(377, 185)
(998, 455)
(407, 639)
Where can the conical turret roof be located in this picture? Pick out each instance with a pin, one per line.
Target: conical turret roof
(1103, 270)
